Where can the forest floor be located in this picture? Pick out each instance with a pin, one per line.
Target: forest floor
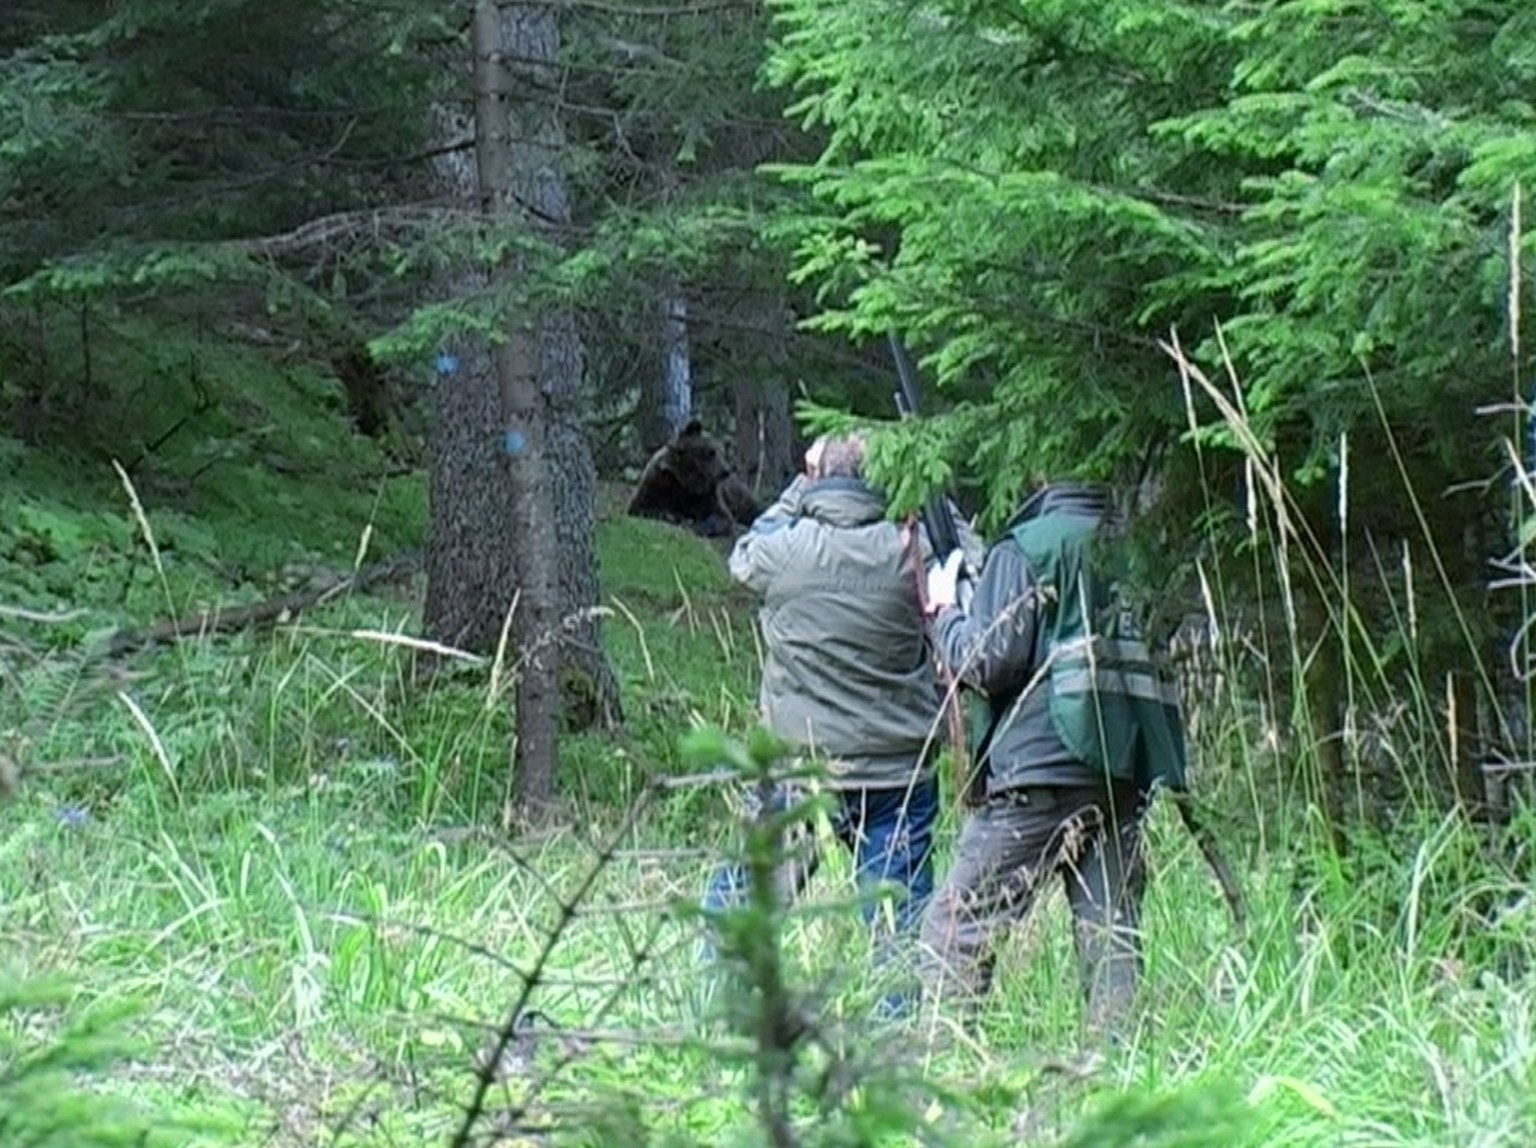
(282, 859)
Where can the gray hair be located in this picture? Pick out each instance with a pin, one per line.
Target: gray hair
(842, 458)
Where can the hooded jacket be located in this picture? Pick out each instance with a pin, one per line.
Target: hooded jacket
(846, 670)
(1073, 695)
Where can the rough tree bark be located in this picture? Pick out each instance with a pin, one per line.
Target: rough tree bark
(471, 572)
(677, 361)
(666, 389)
(513, 487)
(666, 393)
(765, 433)
(653, 422)
(537, 179)
(524, 421)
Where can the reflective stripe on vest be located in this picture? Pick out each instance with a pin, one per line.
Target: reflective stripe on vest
(1109, 665)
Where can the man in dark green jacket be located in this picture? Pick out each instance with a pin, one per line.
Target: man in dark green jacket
(1080, 728)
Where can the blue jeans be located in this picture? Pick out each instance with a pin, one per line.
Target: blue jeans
(890, 832)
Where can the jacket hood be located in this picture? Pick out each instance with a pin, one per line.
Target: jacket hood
(1087, 500)
(842, 502)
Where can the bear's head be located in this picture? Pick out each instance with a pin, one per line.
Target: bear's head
(688, 482)
(697, 461)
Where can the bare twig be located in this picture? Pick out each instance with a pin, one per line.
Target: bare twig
(224, 620)
(371, 223)
(23, 614)
(513, 1028)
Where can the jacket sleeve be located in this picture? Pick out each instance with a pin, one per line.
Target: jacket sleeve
(759, 553)
(991, 644)
(787, 505)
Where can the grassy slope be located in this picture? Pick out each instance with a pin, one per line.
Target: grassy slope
(266, 844)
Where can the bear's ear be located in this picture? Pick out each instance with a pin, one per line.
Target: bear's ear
(664, 461)
(692, 429)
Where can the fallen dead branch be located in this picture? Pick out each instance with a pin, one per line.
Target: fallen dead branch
(52, 619)
(224, 620)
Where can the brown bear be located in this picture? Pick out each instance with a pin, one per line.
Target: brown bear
(689, 483)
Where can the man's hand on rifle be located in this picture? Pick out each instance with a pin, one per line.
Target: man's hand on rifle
(949, 583)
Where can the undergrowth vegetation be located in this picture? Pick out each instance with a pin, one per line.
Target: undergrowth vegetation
(270, 859)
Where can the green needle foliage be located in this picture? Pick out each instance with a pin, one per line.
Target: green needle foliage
(1036, 193)
(284, 845)
(46, 1095)
(1315, 201)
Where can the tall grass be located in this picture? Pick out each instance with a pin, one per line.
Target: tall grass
(289, 876)
(275, 850)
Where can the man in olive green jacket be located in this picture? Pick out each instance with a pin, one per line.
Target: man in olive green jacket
(847, 675)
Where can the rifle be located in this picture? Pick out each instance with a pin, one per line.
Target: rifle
(943, 532)
(938, 517)
(1205, 841)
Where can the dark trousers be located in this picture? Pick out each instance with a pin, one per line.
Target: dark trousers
(1090, 836)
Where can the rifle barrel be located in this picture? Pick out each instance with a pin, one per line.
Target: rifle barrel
(938, 518)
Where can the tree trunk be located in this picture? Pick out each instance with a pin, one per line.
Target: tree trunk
(471, 575)
(471, 572)
(765, 433)
(524, 422)
(537, 180)
(590, 690)
(676, 363)
(666, 386)
(513, 487)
